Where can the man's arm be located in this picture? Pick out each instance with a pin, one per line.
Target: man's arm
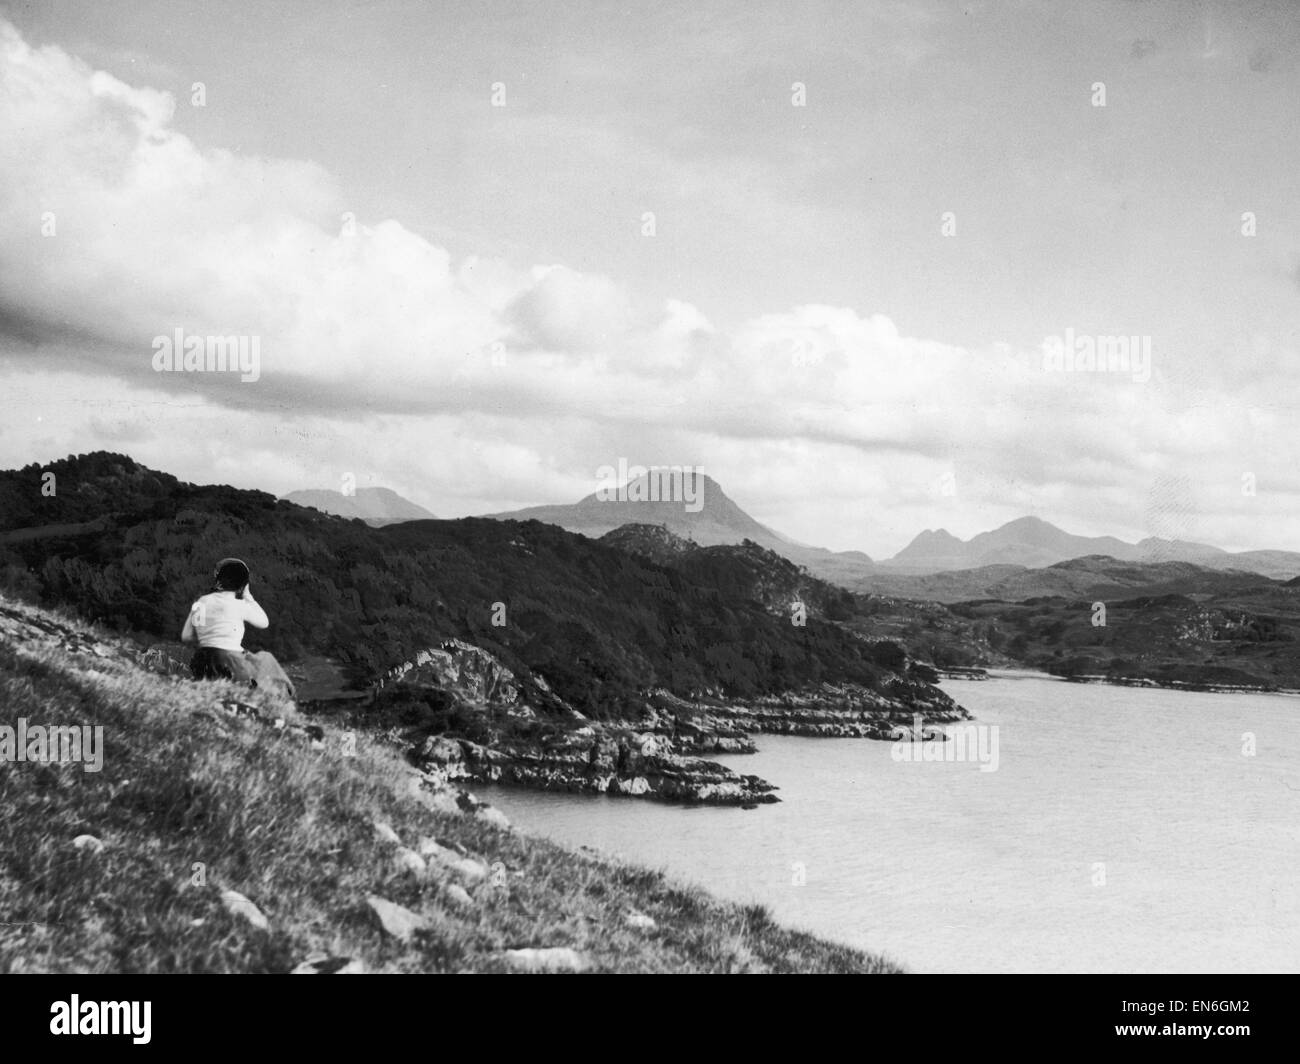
(253, 613)
(188, 635)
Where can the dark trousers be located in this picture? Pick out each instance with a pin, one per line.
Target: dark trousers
(259, 670)
(211, 663)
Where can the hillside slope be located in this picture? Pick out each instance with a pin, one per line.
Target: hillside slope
(340, 856)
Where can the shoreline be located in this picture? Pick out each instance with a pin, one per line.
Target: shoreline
(1147, 682)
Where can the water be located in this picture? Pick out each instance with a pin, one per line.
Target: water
(1123, 831)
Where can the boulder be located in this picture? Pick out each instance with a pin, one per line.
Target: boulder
(434, 850)
(472, 870)
(385, 833)
(441, 750)
(491, 815)
(88, 843)
(557, 959)
(410, 861)
(238, 905)
(396, 920)
(460, 896)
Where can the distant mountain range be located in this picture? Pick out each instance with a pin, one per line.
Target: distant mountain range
(375, 506)
(1033, 543)
(935, 565)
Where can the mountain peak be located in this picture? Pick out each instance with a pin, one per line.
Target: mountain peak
(376, 506)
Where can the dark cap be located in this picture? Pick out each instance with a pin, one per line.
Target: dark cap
(230, 575)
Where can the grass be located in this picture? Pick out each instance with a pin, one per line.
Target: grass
(192, 801)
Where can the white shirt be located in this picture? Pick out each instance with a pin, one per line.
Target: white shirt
(218, 619)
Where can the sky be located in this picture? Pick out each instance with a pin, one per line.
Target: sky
(819, 250)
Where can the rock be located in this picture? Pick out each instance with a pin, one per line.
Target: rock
(441, 751)
(395, 919)
(464, 669)
(239, 905)
(640, 921)
(604, 754)
(433, 849)
(443, 801)
(653, 745)
(410, 861)
(89, 843)
(490, 814)
(386, 833)
(323, 964)
(459, 895)
(557, 959)
(472, 870)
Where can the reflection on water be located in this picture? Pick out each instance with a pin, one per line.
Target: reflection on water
(1124, 830)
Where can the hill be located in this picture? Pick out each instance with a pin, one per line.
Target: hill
(1030, 542)
(1242, 639)
(210, 840)
(1170, 624)
(374, 506)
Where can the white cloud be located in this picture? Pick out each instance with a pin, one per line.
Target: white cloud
(478, 385)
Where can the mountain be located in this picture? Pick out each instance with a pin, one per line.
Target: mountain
(1033, 543)
(700, 512)
(375, 506)
(1027, 541)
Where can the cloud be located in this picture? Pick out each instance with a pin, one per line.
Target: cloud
(568, 311)
(483, 385)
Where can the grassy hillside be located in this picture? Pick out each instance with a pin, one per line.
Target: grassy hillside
(199, 795)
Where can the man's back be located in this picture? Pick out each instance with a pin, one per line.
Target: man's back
(217, 620)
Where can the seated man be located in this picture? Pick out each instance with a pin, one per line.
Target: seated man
(216, 622)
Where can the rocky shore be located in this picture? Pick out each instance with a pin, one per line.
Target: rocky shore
(1179, 685)
(464, 717)
(595, 760)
